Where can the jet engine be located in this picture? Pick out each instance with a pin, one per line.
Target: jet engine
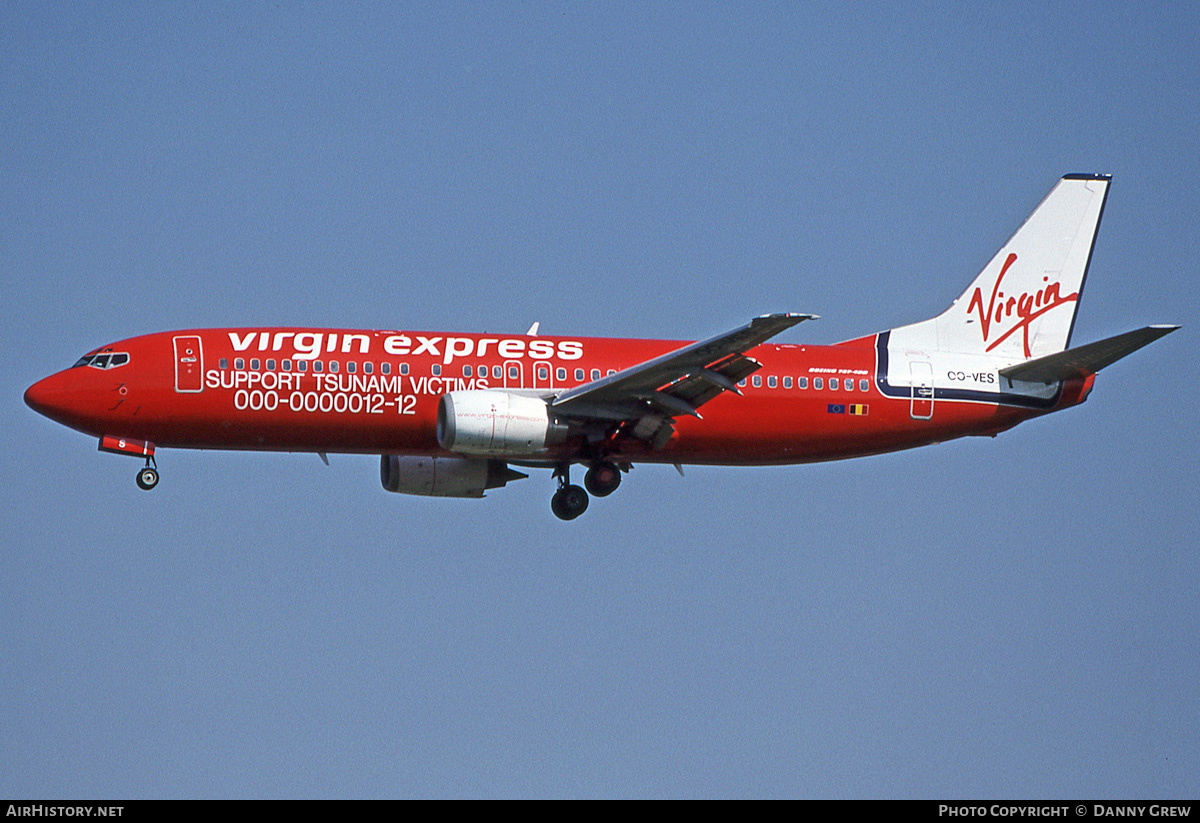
(444, 476)
(497, 424)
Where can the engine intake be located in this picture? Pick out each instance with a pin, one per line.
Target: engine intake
(444, 476)
(497, 424)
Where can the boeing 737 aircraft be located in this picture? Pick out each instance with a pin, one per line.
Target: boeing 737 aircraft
(451, 413)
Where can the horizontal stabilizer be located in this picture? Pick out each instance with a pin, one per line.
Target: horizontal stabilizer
(1084, 360)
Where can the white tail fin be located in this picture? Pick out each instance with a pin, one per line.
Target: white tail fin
(1022, 305)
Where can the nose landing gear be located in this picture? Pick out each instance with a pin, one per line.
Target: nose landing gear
(147, 477)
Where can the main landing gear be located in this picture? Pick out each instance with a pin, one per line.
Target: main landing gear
(571, 501)
(147, 477)
(602, 478)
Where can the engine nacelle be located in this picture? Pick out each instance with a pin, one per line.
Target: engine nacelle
(443, 476)
(498, 424)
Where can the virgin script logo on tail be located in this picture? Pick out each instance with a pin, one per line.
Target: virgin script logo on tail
(1007, 314)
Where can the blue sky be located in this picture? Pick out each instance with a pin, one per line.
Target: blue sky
(1012, 617)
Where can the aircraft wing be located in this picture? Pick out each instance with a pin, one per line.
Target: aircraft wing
(677, 382)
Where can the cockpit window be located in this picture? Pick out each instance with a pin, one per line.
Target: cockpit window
(104, 360)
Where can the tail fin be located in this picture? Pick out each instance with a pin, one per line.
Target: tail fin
(1022, 305)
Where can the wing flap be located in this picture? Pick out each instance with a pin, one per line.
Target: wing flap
(700, 387)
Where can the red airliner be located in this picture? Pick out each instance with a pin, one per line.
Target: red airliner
(450, 413)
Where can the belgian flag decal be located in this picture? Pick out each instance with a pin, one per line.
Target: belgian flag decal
(859, 408)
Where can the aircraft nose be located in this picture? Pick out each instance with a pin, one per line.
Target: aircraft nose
(40, 396)
(59, 397)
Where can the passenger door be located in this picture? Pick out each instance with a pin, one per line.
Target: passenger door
(921, 407)
(189, 364)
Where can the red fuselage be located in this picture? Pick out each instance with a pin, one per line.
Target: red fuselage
(377, 392)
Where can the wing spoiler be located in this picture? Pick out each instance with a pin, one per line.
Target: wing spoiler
(706, 369)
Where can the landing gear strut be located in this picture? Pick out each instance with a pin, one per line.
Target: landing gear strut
(147, 477)
(569, 501)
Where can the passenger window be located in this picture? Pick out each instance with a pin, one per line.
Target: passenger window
(802, 382)
(254, 364)
(466, 371)
(863, 385)
(513, 372)
(543, 373)
(404, 368)
(561, 374)
(497, 372)
(757, 381)
(595, 374)
(385, 368)
(351, 367)
(286, 364)
(610, 371)
(833, 384)
(224, 362)
(301, 365)
(271, 365)
(818, 383)
(437, 369)
(318, 365)
(333, 365)
(742, 382)
(787, 382)
(771, 382)
(239, 363)
(579, 374)
(368, 367)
